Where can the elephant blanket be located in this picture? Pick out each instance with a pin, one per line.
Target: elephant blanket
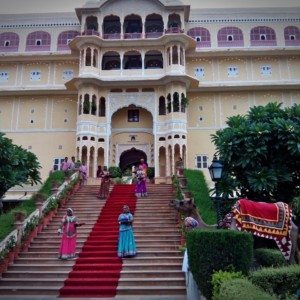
(267, 220)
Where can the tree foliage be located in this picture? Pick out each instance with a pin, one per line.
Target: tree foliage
(17, 166)
(261, 153)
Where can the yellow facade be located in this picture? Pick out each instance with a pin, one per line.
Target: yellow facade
(107, 80)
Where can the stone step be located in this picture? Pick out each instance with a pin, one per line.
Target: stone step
(158, 290)
(167, 281)
(30, 290)
(151, 274)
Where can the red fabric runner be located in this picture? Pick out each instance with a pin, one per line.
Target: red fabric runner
(97, 270)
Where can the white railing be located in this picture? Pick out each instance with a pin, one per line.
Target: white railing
(35, 213)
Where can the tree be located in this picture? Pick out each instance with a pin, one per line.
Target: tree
(17, 166)
(261, 153)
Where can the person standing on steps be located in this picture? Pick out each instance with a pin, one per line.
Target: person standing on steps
(126, 244)
(83, 173)
(105, 183)
(68, 230)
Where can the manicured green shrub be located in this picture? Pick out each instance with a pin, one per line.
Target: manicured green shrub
(198, 187)
(150, 172)
(269, 257)
(213, 250)
(283, 281)
(218, 278)
(238, 289)
(115, 171)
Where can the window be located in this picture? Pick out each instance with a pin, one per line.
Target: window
(199, 72)
(232, 71)
(6, 43)
(198, 38)
(201, 161)
(230, 37)
(3, 76)
(133, 115)
(262, 37)
(35, 75)
(38, 42)
(265, 70)
(57, 163)
(68, 74)
(292, 37)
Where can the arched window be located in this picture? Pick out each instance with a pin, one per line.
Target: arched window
(86, 104)
(230, 37)
(183, 103)
(201, 36)
(88, 57)
(174, 24)
(111, 27)
(292, 36)
(111, 61)
(169, 56)
(162, 139)
(132, 60)
(91, 26)
(38, 41)
(262, 36)
(174, 55)
(153, 60)
(94, 105)
(95, 58)
(80, 105)
(169, 105)
(9, 42)
(65, 38)
(102, 106)
(162, 106)
(175, 102)
(154, 26)
(132, 27)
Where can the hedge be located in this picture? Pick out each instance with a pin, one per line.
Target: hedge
(283, 281)
(197, 185)
(213, 250)
(237, 289)
(269, 257)
(28, 206)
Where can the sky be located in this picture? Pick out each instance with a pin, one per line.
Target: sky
(38, 6)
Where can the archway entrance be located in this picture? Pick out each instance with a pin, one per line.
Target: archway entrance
(131, 157)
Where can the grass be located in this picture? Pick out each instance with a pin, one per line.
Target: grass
(7, 220)
(200, 192)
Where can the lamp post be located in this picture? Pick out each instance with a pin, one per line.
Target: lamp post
(215, 171)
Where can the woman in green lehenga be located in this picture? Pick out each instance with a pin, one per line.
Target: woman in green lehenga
(126, 245)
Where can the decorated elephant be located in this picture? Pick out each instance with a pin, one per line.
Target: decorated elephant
(266, 220)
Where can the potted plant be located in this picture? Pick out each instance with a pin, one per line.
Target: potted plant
(10, 245)
(3, 261)
(54, 186)
(19, 215)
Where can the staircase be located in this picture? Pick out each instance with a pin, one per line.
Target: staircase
(156, 270)
(39, 271)
(155, 273)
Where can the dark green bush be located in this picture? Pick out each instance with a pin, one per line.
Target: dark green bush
(269, 257)
(218, 278)
(150, 172)
(197, 185)
(213, 250)
(237, 289)
(283, 281)
(115, 171)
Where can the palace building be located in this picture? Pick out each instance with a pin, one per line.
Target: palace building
(112, 81)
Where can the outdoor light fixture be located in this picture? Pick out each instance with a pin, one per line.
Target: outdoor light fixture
(215, 171)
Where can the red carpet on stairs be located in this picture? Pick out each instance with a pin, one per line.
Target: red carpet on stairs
(97, 270)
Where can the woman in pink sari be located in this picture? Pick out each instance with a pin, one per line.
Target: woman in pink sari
(68, 230)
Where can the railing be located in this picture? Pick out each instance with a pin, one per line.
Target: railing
(36, 213)
(133, 35)
(112, 36)
(263, 43)
(238, 43)
(153, 35)
(90, 32)
(38, 48)
(174, 30)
